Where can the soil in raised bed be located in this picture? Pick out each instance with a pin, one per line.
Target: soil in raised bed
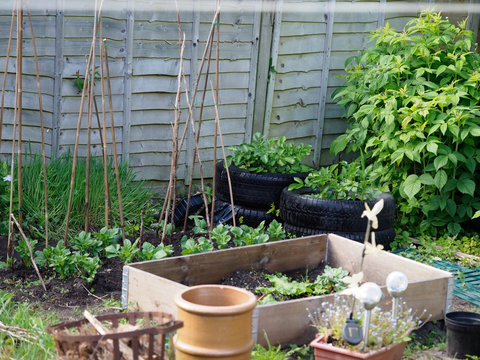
(251, 279)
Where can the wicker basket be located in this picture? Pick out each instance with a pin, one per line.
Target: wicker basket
(131, 336)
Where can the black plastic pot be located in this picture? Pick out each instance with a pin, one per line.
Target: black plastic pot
(463, 334)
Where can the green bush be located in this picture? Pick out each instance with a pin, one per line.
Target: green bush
(412, 103)
(274, 155)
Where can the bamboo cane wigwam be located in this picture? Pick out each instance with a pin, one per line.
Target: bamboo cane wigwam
(145, 333)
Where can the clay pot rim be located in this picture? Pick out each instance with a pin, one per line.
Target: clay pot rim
(216, 310)
(319, 342)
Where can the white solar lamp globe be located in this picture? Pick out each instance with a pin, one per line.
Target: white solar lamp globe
(397, 283)
(369, 294)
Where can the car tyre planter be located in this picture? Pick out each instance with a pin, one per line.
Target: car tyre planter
(299, 209)
(254, 190)
(251, 216)
(384, 237)
(324, 351)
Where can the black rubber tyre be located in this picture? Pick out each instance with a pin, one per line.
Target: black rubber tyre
(383, 237)
(251, 217)
(298, 209)
(255, 190)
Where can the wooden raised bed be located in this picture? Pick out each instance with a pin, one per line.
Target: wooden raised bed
(152, 285)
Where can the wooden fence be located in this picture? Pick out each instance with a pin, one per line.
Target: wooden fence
(280, 61)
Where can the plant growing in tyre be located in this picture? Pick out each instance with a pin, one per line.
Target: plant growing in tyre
(331, 200)
(259, 171)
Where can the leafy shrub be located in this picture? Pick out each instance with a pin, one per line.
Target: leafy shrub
(270, 156)
(339, 181)
(412, 103)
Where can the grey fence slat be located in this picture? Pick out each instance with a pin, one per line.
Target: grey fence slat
(324, 83)
(128, 73)
(292, 98)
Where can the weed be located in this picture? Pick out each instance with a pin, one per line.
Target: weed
(28, 339)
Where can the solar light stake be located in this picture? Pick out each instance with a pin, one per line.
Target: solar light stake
(397, 283)
(369, 294)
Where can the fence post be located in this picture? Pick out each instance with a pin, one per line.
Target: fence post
(58, 74)
(127, 73)
(324, 83)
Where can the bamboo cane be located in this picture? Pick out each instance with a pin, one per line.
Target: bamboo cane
(91, 85)
(197, 139)
(217, 57)
(20, 92)
(104, 131)
(82, 101)
(217, 120)
(190, 116)
(7, 58)
(11, 239)
(89, 127)
(10, 223)
(196, 151)
(174, 137)
(40, 105)
(30, 251)
(114, 143)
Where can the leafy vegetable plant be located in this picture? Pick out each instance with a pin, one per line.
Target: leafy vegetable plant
(23, 253)
(326, 283)
(339, 181)
(412, 103)
(221, 236)
(274, 155)
(194, 246)
(59, 259)
(85, 244)
(126, 252)
(108, 236)
(151, 252)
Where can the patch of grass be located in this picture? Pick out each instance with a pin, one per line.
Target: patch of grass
(430, 337)
(270, 352)
(134, 196)
(26, 337)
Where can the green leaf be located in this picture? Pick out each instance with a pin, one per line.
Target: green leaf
(454, 228)
(441, 69)
(466, 186)
(440, 179)
(339, 144)
(440, 161)
(476, 215)
(475, 131)
(427, 179)
(470, 164)
(412, 185)
(432, 147)
(451, 207)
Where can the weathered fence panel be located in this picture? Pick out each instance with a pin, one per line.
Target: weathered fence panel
(279, 64)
